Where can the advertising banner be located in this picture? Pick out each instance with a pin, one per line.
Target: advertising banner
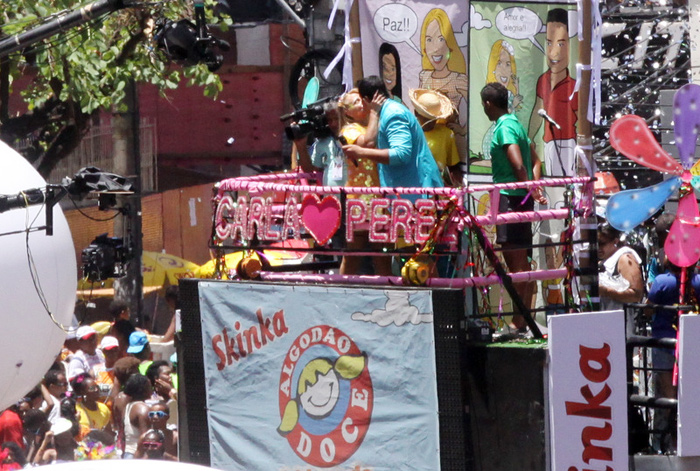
(588, 391)
(418, 44)
(531, 49)
(309, 378)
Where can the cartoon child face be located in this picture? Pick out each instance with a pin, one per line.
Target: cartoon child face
(389, 71)
(435, 46)
(557, 47)
(320, 398)
(503, 69)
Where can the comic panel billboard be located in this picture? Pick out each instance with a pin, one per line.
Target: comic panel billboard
(416, 44)
(303, 377)
(530, 48)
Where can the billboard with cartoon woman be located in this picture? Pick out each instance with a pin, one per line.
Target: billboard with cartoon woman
(531, 49)
(428, 41)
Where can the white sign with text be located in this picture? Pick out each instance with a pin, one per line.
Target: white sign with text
(588, 391)
(688, 384)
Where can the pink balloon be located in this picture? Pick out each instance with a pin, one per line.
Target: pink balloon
(683, 243)
(631, 137)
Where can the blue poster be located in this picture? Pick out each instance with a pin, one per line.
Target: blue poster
(303, 378)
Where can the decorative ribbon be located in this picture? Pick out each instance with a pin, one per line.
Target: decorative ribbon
(581, 156)
(579, 10)
(345, 52)
(594, 106)
(577, 86)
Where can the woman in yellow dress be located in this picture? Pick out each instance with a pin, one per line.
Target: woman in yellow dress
(360, 125)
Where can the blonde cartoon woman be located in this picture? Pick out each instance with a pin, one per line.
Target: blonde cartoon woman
(445, 70)
(502, 69)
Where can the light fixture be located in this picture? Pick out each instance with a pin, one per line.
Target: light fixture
(182, 43)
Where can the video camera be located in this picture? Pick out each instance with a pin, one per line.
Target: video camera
(104, 258)
(309, 120)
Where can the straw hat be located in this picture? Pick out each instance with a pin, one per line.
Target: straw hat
(431, 104)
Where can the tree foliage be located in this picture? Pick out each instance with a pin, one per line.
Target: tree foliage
(82, 70)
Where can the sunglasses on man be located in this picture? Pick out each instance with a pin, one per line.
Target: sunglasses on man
(152, 445)
(158, 414)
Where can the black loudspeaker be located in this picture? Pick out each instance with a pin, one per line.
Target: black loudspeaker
(507, 406)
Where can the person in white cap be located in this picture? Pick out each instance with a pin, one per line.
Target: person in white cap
(432, 110)
(58, 445)
(88, 357)
(104, 375)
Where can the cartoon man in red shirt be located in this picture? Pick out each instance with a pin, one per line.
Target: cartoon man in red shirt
(554, 95)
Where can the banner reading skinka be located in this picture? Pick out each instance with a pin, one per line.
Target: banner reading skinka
(311, 378)
(588, 391)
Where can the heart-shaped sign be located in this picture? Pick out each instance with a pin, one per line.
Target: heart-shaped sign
(321, 217)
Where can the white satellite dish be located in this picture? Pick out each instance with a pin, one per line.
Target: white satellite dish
(30, 339)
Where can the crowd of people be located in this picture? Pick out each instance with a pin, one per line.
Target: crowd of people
(103, 398)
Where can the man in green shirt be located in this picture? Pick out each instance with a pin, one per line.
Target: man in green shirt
(513, 159)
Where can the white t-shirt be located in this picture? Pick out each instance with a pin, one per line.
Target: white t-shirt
(55, 412)
(84, 363)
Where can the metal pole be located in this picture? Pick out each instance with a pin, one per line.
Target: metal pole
(64, 21)
(135, 223)
(291, 13)
(588, 260)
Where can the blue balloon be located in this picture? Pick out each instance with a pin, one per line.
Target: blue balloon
(628, 209)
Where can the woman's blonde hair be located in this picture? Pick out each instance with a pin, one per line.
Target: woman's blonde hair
(455, 62)
(498, 46)
(342, 107)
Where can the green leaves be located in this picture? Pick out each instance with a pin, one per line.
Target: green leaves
(95, 61)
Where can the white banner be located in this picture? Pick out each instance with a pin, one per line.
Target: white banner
(314, 377)
(688, 387)
(588, 391)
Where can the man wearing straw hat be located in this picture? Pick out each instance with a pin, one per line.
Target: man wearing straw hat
(513, 159)
(402, 152)
(432, 110)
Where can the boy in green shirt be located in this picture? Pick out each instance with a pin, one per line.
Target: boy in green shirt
(513, 159)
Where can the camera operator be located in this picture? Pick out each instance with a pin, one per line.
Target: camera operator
(326, 152)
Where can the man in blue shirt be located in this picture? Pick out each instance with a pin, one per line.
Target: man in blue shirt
(402, 152)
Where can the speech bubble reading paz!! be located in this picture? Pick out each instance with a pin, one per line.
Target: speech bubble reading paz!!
(519, 23)
(396, 23)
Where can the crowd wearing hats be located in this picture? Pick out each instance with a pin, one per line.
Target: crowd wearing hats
(84, 408)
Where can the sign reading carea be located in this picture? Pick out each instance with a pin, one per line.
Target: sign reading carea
(307, 377)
